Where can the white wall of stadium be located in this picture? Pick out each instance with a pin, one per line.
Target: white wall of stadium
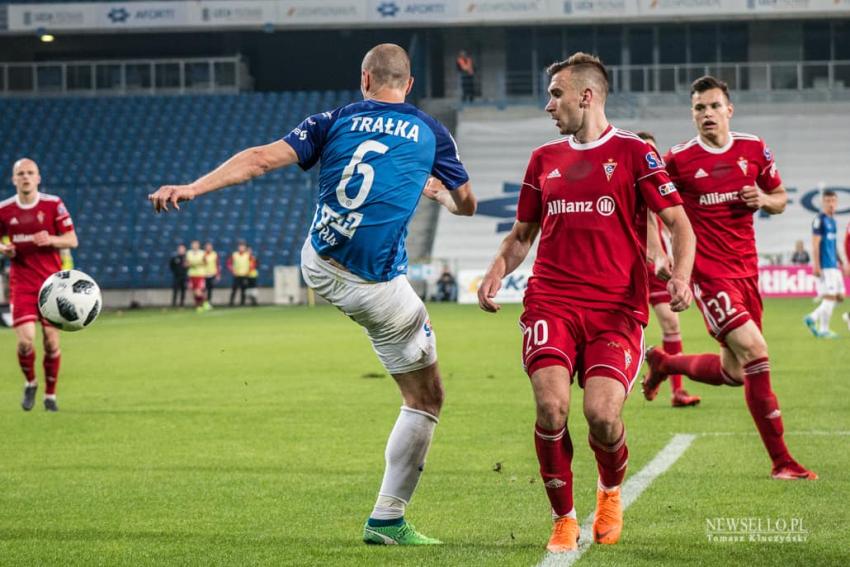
(810, 153)
(256, 14)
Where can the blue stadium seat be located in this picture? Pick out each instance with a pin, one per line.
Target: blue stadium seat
(126, 147)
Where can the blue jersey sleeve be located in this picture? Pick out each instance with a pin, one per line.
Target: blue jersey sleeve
(309, 137)
(447, 166)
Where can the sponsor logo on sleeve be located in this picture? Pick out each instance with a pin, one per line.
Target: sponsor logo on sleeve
(666, 189)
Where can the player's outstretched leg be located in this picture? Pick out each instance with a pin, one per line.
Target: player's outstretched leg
(405, 454)
(705, 368)
(680, 397)
(651, 382)
(764, 407)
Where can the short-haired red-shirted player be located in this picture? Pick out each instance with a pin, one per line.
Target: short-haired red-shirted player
(38, 226)
(586, 305)
(724, 178)
(659, 265)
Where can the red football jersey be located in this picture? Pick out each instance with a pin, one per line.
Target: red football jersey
(710, 181)
(33, 264)
(590, 201)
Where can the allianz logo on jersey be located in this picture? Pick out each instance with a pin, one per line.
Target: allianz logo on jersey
(719, 198)
(380, 124)
(23, 237)
(604, 205)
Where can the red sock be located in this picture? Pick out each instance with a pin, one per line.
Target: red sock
(764, 408)
(705, 368)
(51, 372)
(673, 345)
(555, 455)
(611, 460)
(27, 362)
(199, 300)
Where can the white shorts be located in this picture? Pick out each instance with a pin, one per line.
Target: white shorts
(394, 317)
(831, 282)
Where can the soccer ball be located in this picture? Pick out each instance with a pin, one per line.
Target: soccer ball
(69, 300)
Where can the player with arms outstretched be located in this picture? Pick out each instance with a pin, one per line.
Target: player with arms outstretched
(586, 304)
(38, 226)
(660, 267)
(724, 178)
(376, 158)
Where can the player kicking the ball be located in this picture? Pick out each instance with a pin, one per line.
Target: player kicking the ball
(586, 305)
(38, 226)
(724, 177)
(376, 157)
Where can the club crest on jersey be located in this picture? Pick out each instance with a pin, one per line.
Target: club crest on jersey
(40, 217)
(743, 163)
(609, 168)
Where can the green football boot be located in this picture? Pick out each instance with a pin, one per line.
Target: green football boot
(396, 534)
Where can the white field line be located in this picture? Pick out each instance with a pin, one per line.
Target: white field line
(632, 489)
(816, 433)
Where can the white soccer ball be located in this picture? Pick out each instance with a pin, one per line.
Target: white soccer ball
(70, 300)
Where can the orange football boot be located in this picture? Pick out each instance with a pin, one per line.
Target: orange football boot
(564, 535)
(608, 520)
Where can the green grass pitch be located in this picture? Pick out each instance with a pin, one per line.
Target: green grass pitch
(256, 437)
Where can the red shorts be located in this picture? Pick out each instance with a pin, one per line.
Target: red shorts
(23, 307)
(728, 304)
(657, 288)
(198, 283)
(585, 341)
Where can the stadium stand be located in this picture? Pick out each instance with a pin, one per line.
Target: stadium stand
(104, 155)
(496, 145)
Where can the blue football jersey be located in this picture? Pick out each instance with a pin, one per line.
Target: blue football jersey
(375, 160)
(826, 227)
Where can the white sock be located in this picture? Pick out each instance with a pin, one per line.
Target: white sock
(407, 447)
(50, 397)
(32, 384)
(825, 314)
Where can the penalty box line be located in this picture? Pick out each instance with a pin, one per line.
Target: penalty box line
(631, 490)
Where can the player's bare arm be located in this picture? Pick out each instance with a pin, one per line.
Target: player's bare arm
(684, 249)
(772, 203)
(460, 202)
(512, 252)
(242, 167)
(59, 241)
(655, 251)
(816, 238)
